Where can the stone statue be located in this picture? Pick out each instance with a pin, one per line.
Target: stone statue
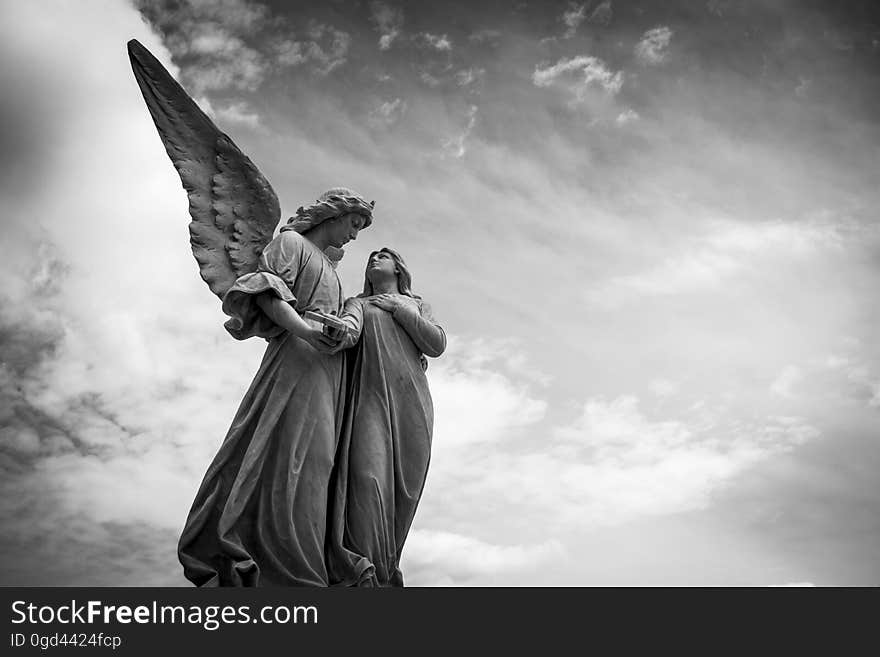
(385, 445)
(260, 515)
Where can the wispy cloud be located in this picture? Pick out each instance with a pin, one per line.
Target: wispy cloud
(602, 14)
(627, 116)
(784, 384)
(215, 42)
(327, 48)
(430, 80)
(387, 112)
(468, 76)
(663, 387)
(573, 17)
(487, 35)
(591, 73)
(727, 248)
(652, 48)
(481, 402)
(211, 37)
(389, 22)
(438, 42)
(440, 558)
(457, 146)
(576, 14)
(609, 466)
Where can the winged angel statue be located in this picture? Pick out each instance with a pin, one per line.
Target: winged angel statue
(259, 517)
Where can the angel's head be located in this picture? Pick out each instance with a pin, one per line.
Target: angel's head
(347, 209)
(384, 264)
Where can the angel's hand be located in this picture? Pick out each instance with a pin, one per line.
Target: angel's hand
(335, 333)
(321, 342)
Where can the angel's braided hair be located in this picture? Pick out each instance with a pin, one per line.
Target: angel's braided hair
(333, 203)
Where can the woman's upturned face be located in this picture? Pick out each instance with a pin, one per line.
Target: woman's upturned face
(381, 265)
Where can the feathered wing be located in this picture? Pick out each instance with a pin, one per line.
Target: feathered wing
(233, 207)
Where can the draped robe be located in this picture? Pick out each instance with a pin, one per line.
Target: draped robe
(260, 515)
(385, 444)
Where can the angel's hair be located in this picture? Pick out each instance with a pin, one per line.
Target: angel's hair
(404, 278)
(333, 203)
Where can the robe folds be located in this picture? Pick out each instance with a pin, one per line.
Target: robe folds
(260, 515)
(385, 442)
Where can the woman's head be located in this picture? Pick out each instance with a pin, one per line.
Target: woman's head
(386, 263)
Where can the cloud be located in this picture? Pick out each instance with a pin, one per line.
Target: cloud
(663, 387)
(803, 87)
(468, 76)
(784, 383)
(386, 113)
(719, 7)
(794, 584)
(592, 70)
(489, 36)
(389, 22)
(480, 401)
(652, 48)
(439, 558)
(614, 463)
(577, 14)
(239, 113)
(290, 53)
(727, 248)
(439, 42)
(611, 465)
(862, 385)
(573, 18)
(687, 273)
(627, 116)
(602, 14)
(216, 47)
(457, 146)
(326, 49)
(211, 39)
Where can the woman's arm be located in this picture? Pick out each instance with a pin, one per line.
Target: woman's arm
(417, 321)
(353, 316)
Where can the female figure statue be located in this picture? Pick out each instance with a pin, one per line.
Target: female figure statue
(385, 445)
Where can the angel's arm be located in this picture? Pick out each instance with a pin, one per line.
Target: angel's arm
(419, 324)
(282, 314)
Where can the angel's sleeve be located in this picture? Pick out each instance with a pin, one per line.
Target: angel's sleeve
(353, 315)
(420, 325)
(276, 275)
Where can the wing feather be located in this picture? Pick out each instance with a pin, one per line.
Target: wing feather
(233, 207)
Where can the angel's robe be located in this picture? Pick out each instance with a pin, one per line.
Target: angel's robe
(385, 443)
(260, 515)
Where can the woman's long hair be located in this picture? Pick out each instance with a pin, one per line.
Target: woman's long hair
(404, 278)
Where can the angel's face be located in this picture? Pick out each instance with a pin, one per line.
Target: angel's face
(344, 229)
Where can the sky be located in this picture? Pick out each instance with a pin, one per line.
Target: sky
(650, 231)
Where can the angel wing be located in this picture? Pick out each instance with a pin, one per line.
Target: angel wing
(233, 207)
